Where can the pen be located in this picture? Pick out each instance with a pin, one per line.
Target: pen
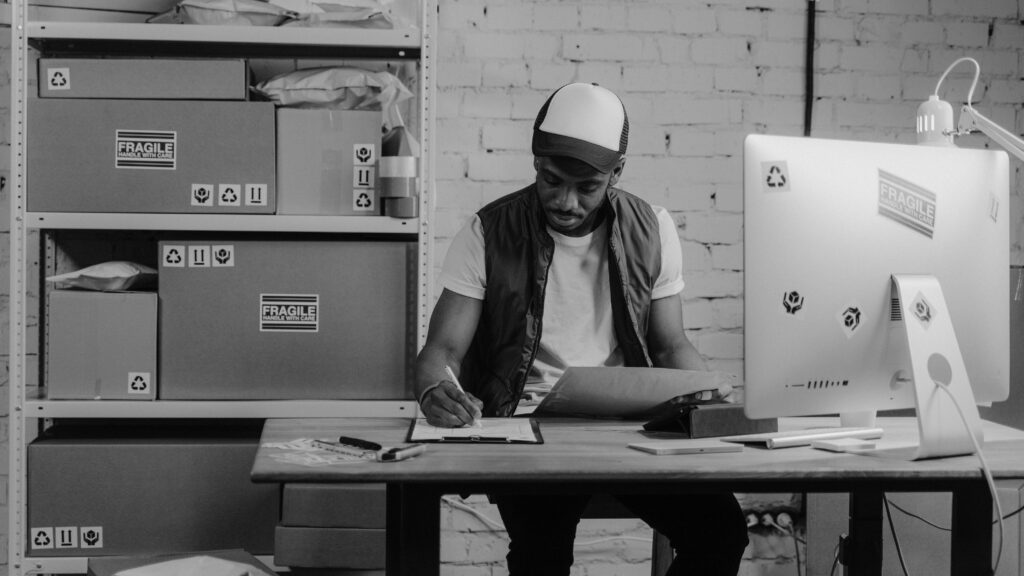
(455, 380)
(343, 449)
(401, 453)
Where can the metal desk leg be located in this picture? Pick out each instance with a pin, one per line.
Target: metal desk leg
(971, 552)
(413, 531)
(864, 549)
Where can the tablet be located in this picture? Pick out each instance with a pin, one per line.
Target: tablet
(686, 446)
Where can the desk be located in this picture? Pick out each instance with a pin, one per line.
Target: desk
(591, 456)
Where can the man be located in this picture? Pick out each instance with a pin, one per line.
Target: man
(569, 271)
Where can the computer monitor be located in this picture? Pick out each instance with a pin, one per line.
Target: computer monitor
(827, 224)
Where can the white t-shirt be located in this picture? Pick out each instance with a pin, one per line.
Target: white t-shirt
(577, 329)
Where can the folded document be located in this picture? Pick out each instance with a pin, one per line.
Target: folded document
(623, 392)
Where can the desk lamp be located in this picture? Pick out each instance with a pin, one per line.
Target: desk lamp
(935, 128)
(935, 119)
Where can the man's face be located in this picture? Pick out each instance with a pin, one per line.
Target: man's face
(571, 193)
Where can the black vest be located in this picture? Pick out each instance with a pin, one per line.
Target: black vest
(517, 253)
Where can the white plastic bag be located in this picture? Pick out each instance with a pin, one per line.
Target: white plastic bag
(108, 276)
(232, 12)
(339, 88)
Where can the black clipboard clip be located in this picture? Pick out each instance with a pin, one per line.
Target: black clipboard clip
(479, 439)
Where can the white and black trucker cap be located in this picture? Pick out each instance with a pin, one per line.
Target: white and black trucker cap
(585, 122)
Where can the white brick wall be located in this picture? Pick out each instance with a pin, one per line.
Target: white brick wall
(696, 77)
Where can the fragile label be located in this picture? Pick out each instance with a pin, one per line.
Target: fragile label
(906, 203)
(289, 312)
(146, 149)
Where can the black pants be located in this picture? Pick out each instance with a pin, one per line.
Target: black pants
(707, 531)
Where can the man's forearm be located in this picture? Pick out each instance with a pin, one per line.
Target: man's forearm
(683, 355)
(430, 366)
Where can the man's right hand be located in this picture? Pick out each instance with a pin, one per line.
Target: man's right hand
(447, 406)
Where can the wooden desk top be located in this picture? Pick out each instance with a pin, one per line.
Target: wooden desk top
(584, 451)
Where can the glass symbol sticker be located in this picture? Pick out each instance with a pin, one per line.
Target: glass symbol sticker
(851, 318)
(792, 303)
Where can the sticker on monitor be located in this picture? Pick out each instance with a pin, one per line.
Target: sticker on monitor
(922, 310)
(907, 203)
(851, 318)
(775, 176)
(793, 303)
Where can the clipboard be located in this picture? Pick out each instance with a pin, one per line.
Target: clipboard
(491, 431)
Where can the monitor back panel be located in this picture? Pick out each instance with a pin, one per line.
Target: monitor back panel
(826, 224)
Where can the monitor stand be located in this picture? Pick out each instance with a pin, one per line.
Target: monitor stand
(935, 358)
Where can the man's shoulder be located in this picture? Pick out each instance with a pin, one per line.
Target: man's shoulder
(506, 201)
(627, 200)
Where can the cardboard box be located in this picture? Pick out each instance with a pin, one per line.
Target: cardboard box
(101, 345)
(107, 489)
(334, 505)
(158, 156)
(141, 78)
(326, 161)
(286, 318)
(354, 548)
(111, 566)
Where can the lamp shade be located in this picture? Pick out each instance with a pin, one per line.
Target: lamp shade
(935, 122)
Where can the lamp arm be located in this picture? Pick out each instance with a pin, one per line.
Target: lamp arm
(971, 120)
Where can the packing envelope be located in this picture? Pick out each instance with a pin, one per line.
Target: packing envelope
(625, 392)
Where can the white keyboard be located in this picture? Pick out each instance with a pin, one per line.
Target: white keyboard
(791, 438)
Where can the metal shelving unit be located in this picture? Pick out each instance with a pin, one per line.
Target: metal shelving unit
(223, 222)
(66, 38)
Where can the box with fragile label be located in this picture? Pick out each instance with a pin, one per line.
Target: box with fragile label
(157, 156)
(105, 489)
(326, 161)
(101, 345)
(285, 318)
(141, 78)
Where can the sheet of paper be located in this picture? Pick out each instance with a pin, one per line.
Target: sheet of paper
(490, 429)
(621, 392)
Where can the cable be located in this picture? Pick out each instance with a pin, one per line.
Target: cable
(809, 68)
(784, 523)
(922, 519)
(977, 72)
(984, 466)
(835, 556)
(895, 538)
(490, 522)
(1014, 513)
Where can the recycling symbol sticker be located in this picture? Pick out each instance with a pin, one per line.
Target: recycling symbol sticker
(42, 538)
(138, 383)
(775, 176)
(229, 195)
(174, 256)
(58, 78)
(363, 200)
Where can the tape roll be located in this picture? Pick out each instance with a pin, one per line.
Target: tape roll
(397, 167)
(402, 207)
(397, 187)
